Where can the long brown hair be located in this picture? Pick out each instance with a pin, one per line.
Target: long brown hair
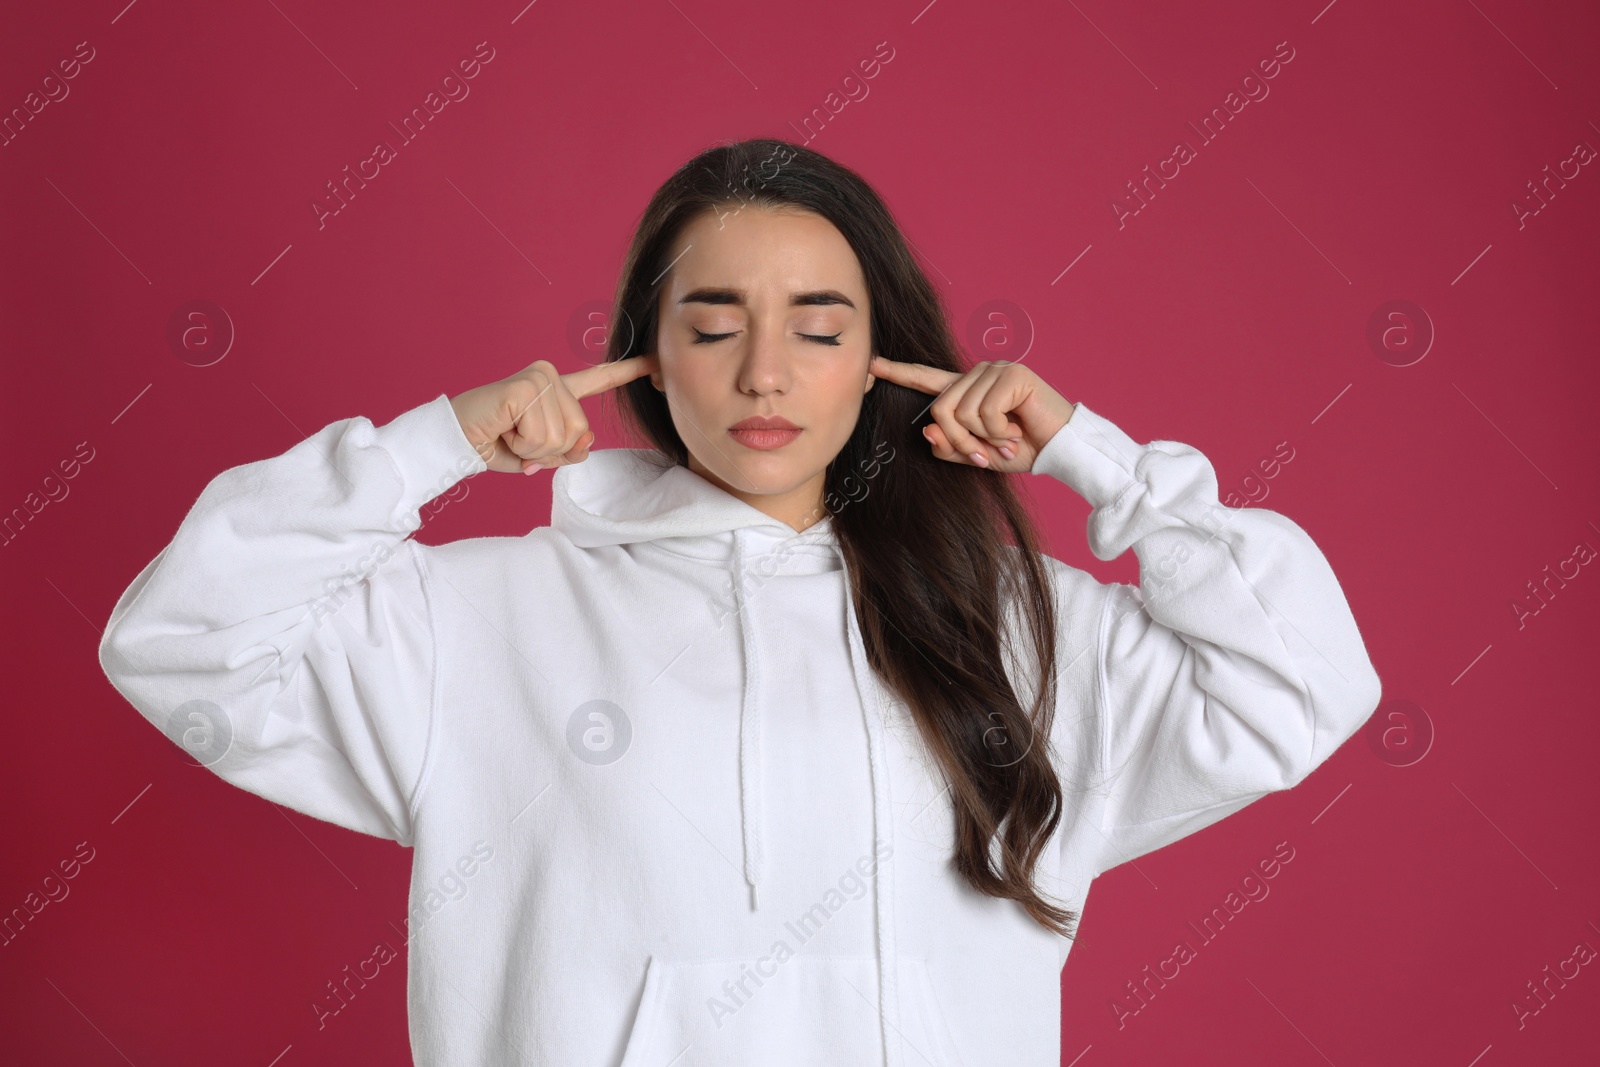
(938, 553)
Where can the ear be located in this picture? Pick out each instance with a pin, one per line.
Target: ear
(871, 378)
(656, 378)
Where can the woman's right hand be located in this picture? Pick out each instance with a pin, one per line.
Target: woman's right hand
(532, 420)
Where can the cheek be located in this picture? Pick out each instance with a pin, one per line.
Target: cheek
(848, 381)
(690, 381)
(841, 394)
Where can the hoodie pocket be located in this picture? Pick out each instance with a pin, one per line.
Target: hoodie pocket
(796, 1011)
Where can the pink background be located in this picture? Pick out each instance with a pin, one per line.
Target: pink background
(1231, 312)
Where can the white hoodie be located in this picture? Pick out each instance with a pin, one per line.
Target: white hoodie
(663, 813)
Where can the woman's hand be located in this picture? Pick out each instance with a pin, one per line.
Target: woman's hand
(998, 415)
(532, 420)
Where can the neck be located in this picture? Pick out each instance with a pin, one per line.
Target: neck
(799, 508)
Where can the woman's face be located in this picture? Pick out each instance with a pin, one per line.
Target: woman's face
(764, 314)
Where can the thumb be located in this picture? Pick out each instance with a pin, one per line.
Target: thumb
(942, 449)
(577, 454)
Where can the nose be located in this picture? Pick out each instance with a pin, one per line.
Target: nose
(765, 367)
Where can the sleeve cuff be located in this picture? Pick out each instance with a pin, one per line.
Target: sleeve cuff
(1091, 454)
(429, 450)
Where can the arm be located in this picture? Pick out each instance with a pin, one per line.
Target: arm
(285, 637)
(1233, 670)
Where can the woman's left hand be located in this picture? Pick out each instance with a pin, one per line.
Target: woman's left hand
(998, 415)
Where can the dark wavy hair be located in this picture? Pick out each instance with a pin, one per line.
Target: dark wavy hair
(938, 553)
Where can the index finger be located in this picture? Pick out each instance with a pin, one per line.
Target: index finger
(918, 376)
(609, 375)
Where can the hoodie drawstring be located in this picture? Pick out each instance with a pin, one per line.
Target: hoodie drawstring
(749, 735)
(882, 828)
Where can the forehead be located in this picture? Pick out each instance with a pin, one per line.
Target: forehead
(765, 252)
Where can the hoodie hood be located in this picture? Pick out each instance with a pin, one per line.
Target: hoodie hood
(624, 496)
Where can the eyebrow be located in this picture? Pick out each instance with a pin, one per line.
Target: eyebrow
(716, 295)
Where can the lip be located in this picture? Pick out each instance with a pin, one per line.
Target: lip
(764, 433)
(764, 422)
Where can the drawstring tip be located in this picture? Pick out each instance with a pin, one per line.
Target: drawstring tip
(754, 904)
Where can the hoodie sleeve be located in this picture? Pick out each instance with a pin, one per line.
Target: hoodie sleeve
(1235, 667)
(284, 638)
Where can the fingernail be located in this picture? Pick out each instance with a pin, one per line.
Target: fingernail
(978, 458)
(1006, 452)
(533, 469)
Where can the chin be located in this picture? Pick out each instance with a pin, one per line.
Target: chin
(765, 473)
(769, 478)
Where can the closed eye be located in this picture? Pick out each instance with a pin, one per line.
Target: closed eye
(712, 338)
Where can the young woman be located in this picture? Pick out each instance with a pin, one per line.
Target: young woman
(782, 743)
